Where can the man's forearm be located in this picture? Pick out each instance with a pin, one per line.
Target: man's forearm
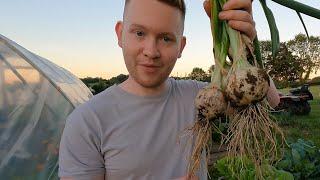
(273, 95)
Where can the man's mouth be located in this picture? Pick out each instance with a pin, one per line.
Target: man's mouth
(149, 68)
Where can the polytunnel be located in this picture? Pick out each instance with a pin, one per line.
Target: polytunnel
(36, 96)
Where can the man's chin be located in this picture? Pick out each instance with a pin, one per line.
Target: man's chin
(151, 83)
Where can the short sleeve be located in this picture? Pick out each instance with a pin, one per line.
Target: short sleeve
(201, 84)
(79, 153)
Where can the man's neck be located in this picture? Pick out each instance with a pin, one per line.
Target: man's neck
(131, 86)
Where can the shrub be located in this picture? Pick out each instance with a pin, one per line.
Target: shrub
(315, 81)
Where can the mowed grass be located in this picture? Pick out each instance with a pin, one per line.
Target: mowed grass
(306, 126)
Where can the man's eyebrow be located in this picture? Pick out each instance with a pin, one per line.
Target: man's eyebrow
(143, 27)
(137, 26)
(167, 33)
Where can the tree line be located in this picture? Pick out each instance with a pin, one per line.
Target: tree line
(294, 62)
(99, 84)
(291, 66)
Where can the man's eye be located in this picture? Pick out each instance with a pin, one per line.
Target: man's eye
(139, 33)
(167, 39)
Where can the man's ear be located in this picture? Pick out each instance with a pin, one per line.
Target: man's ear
(182, 45)
(118, 28)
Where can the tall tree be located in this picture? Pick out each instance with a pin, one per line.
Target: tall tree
(99, 87)
(118, 79)
(285, 67)
(265, 47)
(211, 69)
(308, 51)
(199, 75)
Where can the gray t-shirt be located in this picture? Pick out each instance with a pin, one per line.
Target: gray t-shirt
(124, 136)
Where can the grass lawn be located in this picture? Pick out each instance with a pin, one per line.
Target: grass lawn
(307, 126)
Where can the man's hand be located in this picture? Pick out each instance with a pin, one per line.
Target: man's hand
(238, 13)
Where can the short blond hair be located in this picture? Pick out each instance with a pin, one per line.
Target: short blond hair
(179, 4)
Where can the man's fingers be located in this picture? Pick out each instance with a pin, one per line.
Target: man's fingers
(238, 4)
(207, 7)
(245, 27)
(237, 15)
(230, 5)
(240, 20)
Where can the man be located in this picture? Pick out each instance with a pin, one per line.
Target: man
(135, 130)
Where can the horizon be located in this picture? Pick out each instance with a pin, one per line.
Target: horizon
(79, 36)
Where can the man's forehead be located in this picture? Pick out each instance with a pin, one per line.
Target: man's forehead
(153, 14)
(159, 31)
(168, 3)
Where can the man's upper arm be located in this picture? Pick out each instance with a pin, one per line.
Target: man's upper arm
(79, 153)
(98, 177)
(66, 178)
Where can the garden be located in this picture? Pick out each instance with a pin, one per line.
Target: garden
(301, 154)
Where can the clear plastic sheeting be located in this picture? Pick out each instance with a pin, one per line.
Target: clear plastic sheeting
(36, 96)
(69, 84)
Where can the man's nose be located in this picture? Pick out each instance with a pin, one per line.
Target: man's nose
(150, 49)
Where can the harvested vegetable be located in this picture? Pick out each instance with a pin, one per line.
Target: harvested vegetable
(240, 84)
(210, 105)
(247, 85)
(237, 91)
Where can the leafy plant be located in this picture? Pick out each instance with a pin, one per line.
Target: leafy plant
(302, 159)
(244, 169)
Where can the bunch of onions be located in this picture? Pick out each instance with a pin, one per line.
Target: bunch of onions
(237, 91)
(239, 84)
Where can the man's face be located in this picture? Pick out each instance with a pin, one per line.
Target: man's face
(151, 38)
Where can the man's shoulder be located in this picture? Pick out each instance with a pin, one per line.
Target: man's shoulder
(187, 89)
(188, 84)
(97, 104)
(103, 99)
